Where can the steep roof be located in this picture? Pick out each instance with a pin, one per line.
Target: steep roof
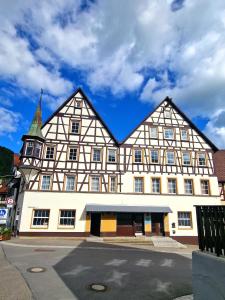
(35, 127)
(79, 90)
(219, 165)
(183, 116)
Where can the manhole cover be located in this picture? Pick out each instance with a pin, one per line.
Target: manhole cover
(98, 287)
(36, 270)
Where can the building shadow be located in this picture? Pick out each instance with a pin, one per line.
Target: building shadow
(126, 272)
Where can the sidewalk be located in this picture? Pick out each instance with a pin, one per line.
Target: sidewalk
(12, 284)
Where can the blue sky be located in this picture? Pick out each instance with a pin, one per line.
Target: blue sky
(127, 56)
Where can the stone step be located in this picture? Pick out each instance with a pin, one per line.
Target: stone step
(166, 242)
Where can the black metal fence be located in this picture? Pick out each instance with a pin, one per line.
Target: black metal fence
(211, 228)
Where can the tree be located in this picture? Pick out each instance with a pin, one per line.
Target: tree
(6, 161)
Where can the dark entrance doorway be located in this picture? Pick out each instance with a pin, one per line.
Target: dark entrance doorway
(157, 223)
(95, 223)
(129, 224)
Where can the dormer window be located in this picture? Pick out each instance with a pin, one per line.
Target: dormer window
(29, 148)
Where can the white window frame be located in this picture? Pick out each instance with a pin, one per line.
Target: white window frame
(181, 134)
(79, 127)
(155, 135)
(42, 183)
(172, 191)
(67, 189)
(91, 183)
(134, 153)
(72, 148)
(167, 113)
(183, 160)
(46, 152)
(174, 158)
(208, 187)
(136, 187)
(114, 184)
(108, 155)
(184, 219)
(44, 226)
(94, 156)
(158, 185)
(154, 162)
(165, 131)
(186, 191)
(72, 218)
(200, 164)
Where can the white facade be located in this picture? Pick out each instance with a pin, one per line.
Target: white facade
(182, 154)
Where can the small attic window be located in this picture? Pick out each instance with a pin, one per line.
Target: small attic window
(78, 103)
(167, 113)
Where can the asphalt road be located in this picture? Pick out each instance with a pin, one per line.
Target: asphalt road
(127, 273)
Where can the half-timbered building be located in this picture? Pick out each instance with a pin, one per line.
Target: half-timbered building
(80, 181)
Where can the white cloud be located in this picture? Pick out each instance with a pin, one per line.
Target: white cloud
(116, 45)
(9, 121)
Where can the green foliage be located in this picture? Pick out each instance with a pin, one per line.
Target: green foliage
(5, 230)
(6, 161)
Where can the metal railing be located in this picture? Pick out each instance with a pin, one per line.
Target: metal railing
(211, 229)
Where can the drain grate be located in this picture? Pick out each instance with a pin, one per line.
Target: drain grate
(97, 287)
(36, 270)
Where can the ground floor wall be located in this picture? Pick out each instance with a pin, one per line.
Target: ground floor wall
(57, 201)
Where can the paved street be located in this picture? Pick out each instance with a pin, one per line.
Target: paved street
(127, 273)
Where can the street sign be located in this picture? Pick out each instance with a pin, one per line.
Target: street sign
(3, 215)
(9, 201)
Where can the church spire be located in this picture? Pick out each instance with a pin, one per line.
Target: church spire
(35, 128)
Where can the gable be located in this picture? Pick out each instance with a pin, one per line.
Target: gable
(93, 128)
(168, 115)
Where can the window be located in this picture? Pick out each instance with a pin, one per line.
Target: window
(156, 185)
(184, 219)
(96, 155)
(139, 184)
(73, 154)
(95, 184)
(170, 158)
(172, 186)
(46, 181)
(186, 158)
(70, 183)
(201, 159)
(188, 186)
(137, 155)
(29, 148)
(154, 156)
(205, 187)
(111, 155)
(78, 103)
(67, 217)
(41, 217)
(153, 132)
(168, 133)
(50, 152)
(167, 114)
(75, 127)
(37, 150)
(112, 184)
(183, 134)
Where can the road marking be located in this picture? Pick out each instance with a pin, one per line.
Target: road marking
(144, 263)
(117, 277)
(162, 287)
(167, 262)
(79, 269)
(115, 262)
